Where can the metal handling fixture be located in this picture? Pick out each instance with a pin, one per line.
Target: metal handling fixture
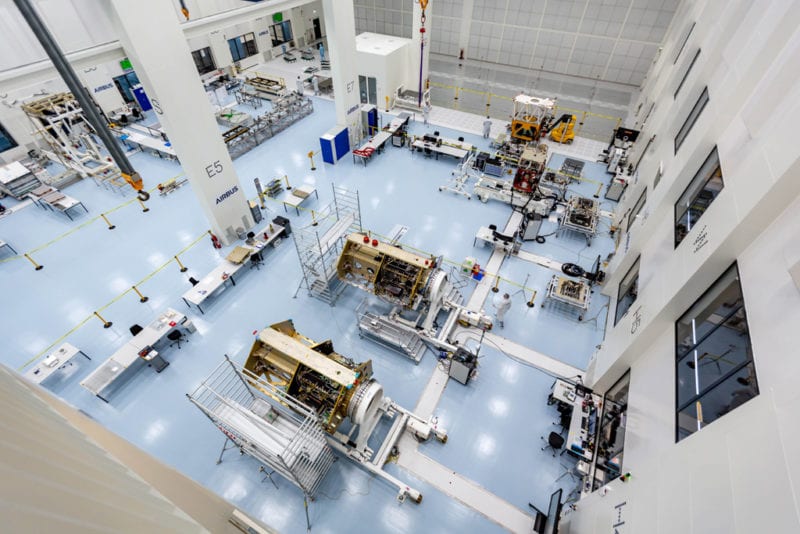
(581, 215)
(330, 394)
(87, 104)
(415, 285)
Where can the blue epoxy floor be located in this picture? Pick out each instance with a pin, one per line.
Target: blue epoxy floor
(495, 422)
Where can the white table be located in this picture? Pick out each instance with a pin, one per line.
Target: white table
(225, 271)
(147, 141)
(486, 235)
(128, 355)
(374, 145)
(447, 150)
(55, 361)
(577, 434)
(294, 200)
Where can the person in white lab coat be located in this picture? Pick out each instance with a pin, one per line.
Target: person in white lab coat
(426, 112)
(300, 86)
(315, 83)
(487, 127)
(502, 303)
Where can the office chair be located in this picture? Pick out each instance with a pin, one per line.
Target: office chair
(135, 329)
(176, 336)
(428, 152)
(554, 441)
(564, 420)
(194, 281)
(461, 139)
(436, 133)
(256, 261)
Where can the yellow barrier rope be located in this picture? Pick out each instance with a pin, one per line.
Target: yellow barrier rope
(109, 303)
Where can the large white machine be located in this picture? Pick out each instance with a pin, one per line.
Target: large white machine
(417, 287)
(296, 398)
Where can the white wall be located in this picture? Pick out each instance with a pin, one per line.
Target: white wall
(612, 40)
(389, 70)
(738, 474)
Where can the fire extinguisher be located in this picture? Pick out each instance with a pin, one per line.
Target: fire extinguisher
(215, 241)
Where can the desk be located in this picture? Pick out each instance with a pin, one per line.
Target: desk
(4, 244)
(63, 204)
(580, 442)
(128, 355)
(53, 362)
(294, 200)
(486, 235)
(146, 141)
(564, 392)
(375, 144)
(225, 271)
(447, 150)
(37, 194)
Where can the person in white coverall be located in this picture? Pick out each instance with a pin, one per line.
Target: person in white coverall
(487, 127)
(501, 305)
(300, 85)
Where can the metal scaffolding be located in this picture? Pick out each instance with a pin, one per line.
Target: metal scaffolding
(266, 423)
(320, 244)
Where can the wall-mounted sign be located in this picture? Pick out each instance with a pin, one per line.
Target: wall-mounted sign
(619, 522)
(701, 240)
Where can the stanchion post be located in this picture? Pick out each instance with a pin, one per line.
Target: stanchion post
(286, 179)
(496, 287)
(182, 266)
(145, 209)
(530, 302)
(106, 324)
(311, 157)
(110, 226)
(142, 298)
(36, 266)
(314, 218)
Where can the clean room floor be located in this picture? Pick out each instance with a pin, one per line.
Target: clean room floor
(495, 422)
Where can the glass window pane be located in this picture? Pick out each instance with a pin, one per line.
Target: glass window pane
(628, 291)
(637, 208)
(715, 368)
(684, 41)
(701, 192)
(6, 141)
(686, 74)
(694, 114)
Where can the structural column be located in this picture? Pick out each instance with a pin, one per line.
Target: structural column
(340, 27)
(153, 40)
(420, 56)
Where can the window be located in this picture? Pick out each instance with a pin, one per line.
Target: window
(686, 74)
(243, 46)
(684, 41)
(715, 372)
(691, 119)
(6, 141)
(628, 291)
(698, 196)
(611, 437)
(659, 174)
(281, 32)
(647, 115)
(203, 60)
(637, 208)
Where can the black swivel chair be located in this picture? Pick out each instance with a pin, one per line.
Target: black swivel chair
(554, 441)
(135, 329)
(256, 261)
(176, 336)
(194, 281)
(564, 419)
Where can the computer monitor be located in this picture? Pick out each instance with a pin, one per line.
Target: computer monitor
(553, 513)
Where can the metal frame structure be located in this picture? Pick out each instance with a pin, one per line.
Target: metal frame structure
(581, 216)
(575, 293)
(319, 244)
(266, 424)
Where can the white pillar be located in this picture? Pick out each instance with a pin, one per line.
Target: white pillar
(340, 27)
(149, 32)
(416, 24)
